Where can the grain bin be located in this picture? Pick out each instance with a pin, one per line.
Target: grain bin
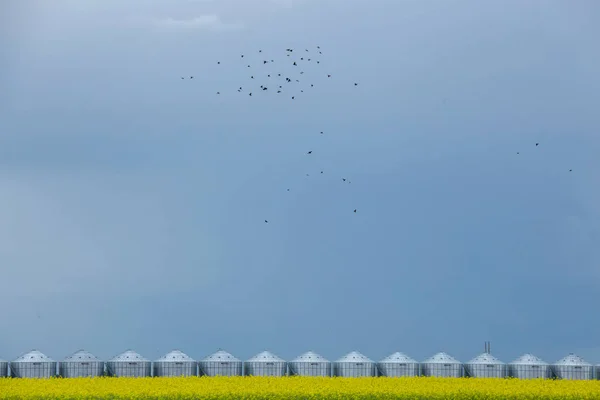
(354, 364)
(310, 364)
(34, 364)
(175, 363)
(265, 364)
(573, 367)
(398, 364)
(81, 364)
(129, 364)
(3, 368)
(529, 366)
(442, 365)
(221, 363)
(486, 365)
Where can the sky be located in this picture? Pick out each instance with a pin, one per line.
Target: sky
(133, 202)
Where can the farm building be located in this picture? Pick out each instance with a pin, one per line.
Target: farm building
(486, 365)
(265, 364)
(221, 363)
(3, 368)
(529, 366)
(34, 364)
(130, 364)
(81, 364)
(573, 367)
(310, 364)
(354, 364)
(175, 363)
(442, 365)
(398, 364)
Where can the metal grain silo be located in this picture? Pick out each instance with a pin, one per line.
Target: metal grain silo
(354, 364)
(310, 364)
(265, 364)
(573, 367)
(33, 365)
(529, 366)
(175, 363)
(81, 364)
(398, 364)
(221, 363)
(486, 365)
(129, 363)
(442, 365)
(3, 368)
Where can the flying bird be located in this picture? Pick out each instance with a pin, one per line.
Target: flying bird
(250, 94)
(355, 210)
(264, 62)
(191, 77)
(266, 222)
(329, 76)
(321, 132)
(292, 97)
(537, 144)
(295, 63)
(310, 152)
(355, 84)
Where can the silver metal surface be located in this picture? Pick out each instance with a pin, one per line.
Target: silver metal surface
(265, 364)
(221, 363)
(310, 364)
(34, 364)
(3, 368)
(442, 365)
(129, 363)
(175, 363)
(529, 366)
(573, 367)
(354, 364)
(398, 364)
(486, 365)
(81, 364)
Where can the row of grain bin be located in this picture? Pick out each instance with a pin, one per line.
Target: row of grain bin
(176, 363)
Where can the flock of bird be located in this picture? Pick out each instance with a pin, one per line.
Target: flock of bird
(275, 79)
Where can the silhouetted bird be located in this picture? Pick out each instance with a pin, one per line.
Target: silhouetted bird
(329, 76)
(321, 132)
(344, 179)
(356, 84)
(321, 171)
(518, 152)
(293, 97)
(301, 72)
(318, 62)
(278, 74)
(310, 152)
(182, 77)
(218, 92)
(218, 62)
(252, 77)
(301, 58)
(302, 91)
(570, 170)
(268, 76)
(318, 47)
(191, 77)
(260, 51)
(309, 59)
(242, 56)
(264, 88)
(271, 60)
(288, 190)
(264, 62)
(248, 66)
(279, 91)
(537, 144)
(266, 222)
(306, 50)
(355, 210)
(250, 94)
(311, 85)
(295, 63)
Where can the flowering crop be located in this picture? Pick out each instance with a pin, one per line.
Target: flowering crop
(296, 388)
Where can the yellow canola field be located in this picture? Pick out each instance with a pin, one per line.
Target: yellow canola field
(296, 388)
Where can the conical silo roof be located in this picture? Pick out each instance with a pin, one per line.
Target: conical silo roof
(398, 358)
(265, 356)
(310, 356)
(573, 360)
(82, 355)
(220, 355)
(175, 356)
(34, 356)
(129, 355)
(354, 356)
(486, 358)
(441, 358)
(529, 359)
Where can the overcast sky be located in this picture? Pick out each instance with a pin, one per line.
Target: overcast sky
(132, 202)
